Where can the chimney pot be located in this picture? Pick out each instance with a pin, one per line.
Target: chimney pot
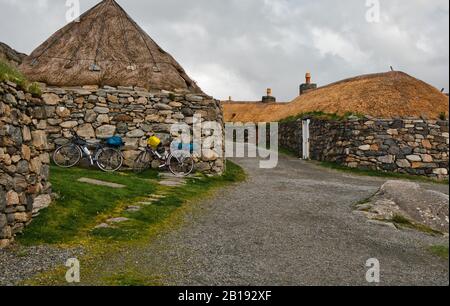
(307, 86)
(308, 78)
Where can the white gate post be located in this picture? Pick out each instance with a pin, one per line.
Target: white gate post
(306, 144)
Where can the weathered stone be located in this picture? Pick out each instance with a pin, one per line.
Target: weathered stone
(105, 131)
(122, 128)
(162, 106)
(101, 110)
(41, 202)
(364, 147)
(26, 152)
(112, 98)
(388, 159)
(12, 198)
(69, 124)
(136, 133)
(39, 140)
(51, 99)
(440, 171)
(426, 158)
(123, 118)
(209, 155)
(86, 131)
(22, 217)
(36, 165)
(3, 220)
(414, 158)
(403, 163)
(392, 132)
(9, 98)
(426, 144)
(194, 98)
(90, 116)
(103, 118)
(62, 111)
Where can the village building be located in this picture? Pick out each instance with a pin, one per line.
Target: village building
(101, 75)
(386, 121)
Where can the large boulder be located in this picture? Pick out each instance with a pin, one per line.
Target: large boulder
(409, 201)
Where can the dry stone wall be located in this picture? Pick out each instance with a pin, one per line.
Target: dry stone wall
(32, 128)
(132, 113)
(411, 146)
(24, 162)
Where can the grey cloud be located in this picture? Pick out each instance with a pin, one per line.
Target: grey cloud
(240, 47)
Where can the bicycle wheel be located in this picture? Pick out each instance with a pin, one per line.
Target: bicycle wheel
(67, 156)
(109, 159)
(142, 162)
(181, 163)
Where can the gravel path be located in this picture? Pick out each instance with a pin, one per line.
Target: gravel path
(293, 225)
(20, 263)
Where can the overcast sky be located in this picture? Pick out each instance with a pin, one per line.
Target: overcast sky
(239, 48)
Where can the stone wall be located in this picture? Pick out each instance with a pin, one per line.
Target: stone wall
(410, 146)
(133, 113)
(24, 162)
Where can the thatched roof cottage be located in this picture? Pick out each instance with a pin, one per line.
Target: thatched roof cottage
(105, 47)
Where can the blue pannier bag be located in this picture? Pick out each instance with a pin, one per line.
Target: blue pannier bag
(115, 141)
(188, 147)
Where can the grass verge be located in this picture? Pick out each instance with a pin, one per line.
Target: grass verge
(382, 174)
(105, 261)
(8, 73)
(76, 211)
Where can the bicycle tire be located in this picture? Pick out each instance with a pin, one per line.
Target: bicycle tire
(101, 165)
(189, 167)
(76, 150)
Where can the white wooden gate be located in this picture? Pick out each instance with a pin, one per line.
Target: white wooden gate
(305, 139)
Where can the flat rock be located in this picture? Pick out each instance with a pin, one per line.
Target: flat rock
(133, 208)
(117, 220)
(100, 183)
(413, 202)
(172, 183)
(103, 225)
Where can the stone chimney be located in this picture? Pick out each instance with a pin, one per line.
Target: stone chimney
(269, 98)
(307, 86)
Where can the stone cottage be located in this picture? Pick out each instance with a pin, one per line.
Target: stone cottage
(101, 76)
(105, 76)
(387, 121)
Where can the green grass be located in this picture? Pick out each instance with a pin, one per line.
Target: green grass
(103, 246)
(440, 250)
(79, 205)
(153, 214)
(82, 206)
(382, 174)
(288, 152)
(8, 73)
(401, 221)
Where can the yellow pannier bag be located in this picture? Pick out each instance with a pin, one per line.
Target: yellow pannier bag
(154, 142)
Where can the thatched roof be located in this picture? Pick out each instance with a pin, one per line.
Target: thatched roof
(383, 95)
(106, 47)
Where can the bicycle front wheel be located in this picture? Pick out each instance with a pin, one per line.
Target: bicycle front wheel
(67, 156)
(109, 159)
(181, 163)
